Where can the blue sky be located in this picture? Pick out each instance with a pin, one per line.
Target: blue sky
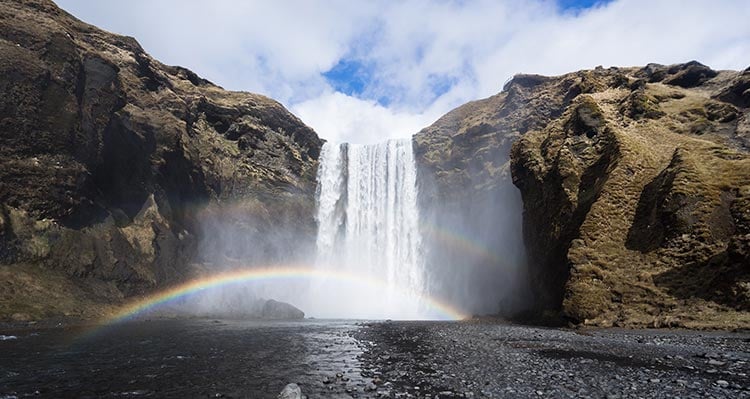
(366, 71)
(579, 4)
(351, 75)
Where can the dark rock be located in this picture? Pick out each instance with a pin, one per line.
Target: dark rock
(652, 73)
(738, 92)
(276, 310)
(527, 81)
(120, 168)
(687, 75)
(291, 391)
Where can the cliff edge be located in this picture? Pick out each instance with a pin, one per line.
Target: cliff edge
(116, 171)
(635, 185)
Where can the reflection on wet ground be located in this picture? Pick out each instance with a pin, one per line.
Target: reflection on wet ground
(183, 358)
(342, 359)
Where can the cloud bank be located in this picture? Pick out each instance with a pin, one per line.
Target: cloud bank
(367, 71)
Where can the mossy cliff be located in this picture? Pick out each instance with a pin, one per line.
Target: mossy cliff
(116, 171)
(635, 185)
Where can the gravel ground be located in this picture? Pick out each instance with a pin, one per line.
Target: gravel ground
(348, 359)
(482, 359)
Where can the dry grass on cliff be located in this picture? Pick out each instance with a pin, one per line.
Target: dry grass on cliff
(612, 284)
(32, 292)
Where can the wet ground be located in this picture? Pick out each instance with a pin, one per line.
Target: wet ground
(250, 359)
(500, 360)
(179, 359)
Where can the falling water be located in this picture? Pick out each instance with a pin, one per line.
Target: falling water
(368, 225)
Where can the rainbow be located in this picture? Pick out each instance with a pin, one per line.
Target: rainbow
(259, 274)
(461, 243)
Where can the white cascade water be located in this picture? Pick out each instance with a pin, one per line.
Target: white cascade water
(368, 230)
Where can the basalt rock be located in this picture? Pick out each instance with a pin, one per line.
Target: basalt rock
(117, 172)
(466, 187)
(635, 185)
(275, 310)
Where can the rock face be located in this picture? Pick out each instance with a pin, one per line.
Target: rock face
(635, 186)
(118, 172)
(466, 189)
(275, 310)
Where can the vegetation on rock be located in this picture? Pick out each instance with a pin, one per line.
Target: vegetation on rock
(635, 185)
(112, 163)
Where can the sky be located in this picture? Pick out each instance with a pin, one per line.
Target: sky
(367, 71)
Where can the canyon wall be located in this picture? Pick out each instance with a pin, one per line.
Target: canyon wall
(635, 185)
(610, 197)
(119, 174)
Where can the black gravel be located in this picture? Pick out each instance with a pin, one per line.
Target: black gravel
(440, 359)
(346, 359)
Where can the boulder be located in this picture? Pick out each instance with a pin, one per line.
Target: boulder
(275, 310)
(291, 391)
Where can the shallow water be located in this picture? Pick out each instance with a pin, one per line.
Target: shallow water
(182, 358)
(329, 358)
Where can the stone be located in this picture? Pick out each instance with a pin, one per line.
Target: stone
(291, 391)
(275, 310)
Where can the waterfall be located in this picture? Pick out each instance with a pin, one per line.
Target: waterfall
(368, 226)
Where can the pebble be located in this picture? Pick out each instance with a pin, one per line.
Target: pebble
(291, 391)
(504, 361)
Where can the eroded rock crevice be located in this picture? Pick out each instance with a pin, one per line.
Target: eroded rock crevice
(634, 186)
(111, 163)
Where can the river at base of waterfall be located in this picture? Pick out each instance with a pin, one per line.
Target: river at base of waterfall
(340, 358)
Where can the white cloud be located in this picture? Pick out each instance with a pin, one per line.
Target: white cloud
(344, 117)
(281, 48)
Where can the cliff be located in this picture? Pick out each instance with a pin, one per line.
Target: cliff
(118, 173)
(635, 185)
(609, 197)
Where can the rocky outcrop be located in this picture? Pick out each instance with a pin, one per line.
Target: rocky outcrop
(118, 172)
(275, 310)
(635, 185)
(467, 189)
(642, 187)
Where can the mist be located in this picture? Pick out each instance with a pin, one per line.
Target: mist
(381, 241)
(473, 244)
